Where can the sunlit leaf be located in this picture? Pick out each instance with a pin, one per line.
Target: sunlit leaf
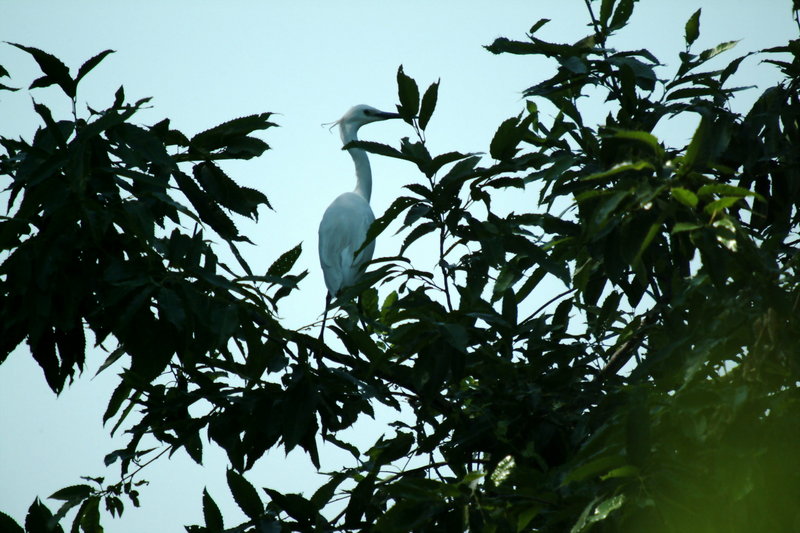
(503, 469)
(684, 196)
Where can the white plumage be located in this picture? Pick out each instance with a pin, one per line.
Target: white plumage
(344, 225)
(342, 231)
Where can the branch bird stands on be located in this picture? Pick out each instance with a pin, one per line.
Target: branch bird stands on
(344, 225)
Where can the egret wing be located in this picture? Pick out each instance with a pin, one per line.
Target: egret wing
(342, 231)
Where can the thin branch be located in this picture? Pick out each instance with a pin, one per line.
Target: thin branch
(547, 303)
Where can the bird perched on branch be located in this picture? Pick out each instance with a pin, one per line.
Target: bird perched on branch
(344, 225)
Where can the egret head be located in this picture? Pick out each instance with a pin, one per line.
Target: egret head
(357, 116)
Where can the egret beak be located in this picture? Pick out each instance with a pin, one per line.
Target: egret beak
(383, 115)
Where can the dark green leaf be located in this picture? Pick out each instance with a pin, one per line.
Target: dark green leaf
(112, 358)
(428, 104)
(379, 149)
(209, 211)
(622, 13)
(285, 262)
(146, 148)
(211, 514)
(380, 224)
(38, 519)
(55, 72)
(637, 445)
(227, 192)
(52, 127)
(684, 196)
(245, 495)
(119, 395)
(408, 94)
(295, 505)
(692, 28)
(9, 525)
(720, 205)
(504, 143)
(606, 9)
(419, 231)
(74, 492)
(90, 64)
(89, 516)
(324, 494)
(539, 23)
(229, 133)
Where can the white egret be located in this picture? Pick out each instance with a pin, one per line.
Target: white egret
(344, 225)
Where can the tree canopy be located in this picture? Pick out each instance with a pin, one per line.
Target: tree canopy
(655, 390)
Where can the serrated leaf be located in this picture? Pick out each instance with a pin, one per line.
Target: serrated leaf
(208, 211)
(245, 495)
(692, 28)
(90, 64)
(606, 9)
(211, 514)
(324, 494)
(55, 72)
(378, 149)
(380, 224)
(38, 519)
(119, 395)
(504, 143)
(230, 132)
(408, 94)
(285, 262)
(9, 525)
(418, 231)
(74, 492)
(295, 505)
(89, 516)
(622, 13)
(146, 148)
(52, 127)
(227, 192)
(428, 104)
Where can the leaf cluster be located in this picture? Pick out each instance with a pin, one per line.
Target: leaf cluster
(618, 356)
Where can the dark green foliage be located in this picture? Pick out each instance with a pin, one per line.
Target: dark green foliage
(620, 356)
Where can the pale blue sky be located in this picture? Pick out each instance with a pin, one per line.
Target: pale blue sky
(207, 62)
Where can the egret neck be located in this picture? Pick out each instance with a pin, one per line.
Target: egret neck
(361, 162)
